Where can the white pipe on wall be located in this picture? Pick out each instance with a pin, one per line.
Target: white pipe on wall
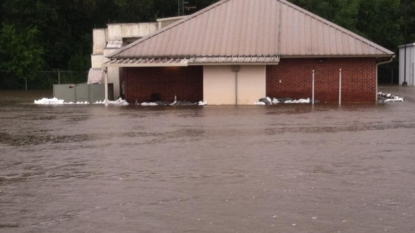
(340, 86)
(106, 86)
(312, 95)
(377, 73)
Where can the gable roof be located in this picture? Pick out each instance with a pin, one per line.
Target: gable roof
(251, 29)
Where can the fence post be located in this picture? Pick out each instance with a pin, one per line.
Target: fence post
(59, 77)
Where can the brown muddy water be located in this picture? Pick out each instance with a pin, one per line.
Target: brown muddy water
(207, 169)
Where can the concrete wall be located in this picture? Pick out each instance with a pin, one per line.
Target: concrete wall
(113, 74)
(116, 32)
(162, 23)
(410, 64)
(79, 92)
(293, 78)
(97, 60)
(219, 85)
(99, 41)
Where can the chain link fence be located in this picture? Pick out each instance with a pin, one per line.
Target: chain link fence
(44, 80)
(388, 76)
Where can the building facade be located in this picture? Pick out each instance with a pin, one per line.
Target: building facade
(238, 51)
(407, 71)
(108, 40)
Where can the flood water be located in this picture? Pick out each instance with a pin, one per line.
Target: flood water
(207, 169)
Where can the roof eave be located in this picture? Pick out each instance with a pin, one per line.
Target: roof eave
(339, 56)
(407, 45)
(234, 64)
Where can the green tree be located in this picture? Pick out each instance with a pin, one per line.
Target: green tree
(79, 62)
(20, 53)
(168, 8)
(199, 4)
(165, 8)
(63, 25)
(381, 21)
(410, 19)
(377, 20)
(341, 12)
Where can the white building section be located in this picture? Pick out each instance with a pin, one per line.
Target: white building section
(251, 84)
(410, 64)
(234, 85)
(115, 36)
(120, 32)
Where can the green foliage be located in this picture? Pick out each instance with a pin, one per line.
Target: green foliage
(380, 21)
(79, 62)
(20, 52)
(169, 8)
(410, 21)
(346, 12)
(165, 8)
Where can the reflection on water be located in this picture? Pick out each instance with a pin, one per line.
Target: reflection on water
(285, 168)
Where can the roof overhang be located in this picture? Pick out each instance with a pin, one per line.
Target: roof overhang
(234, 60)
(193, 61)
(407, 45)
(147, 62)
(171, 18)
(339, 56)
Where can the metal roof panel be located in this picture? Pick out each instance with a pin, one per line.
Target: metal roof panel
(252, 28)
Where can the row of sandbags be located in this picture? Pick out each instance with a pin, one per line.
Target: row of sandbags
(271, 101)
(387, 97)
(175, 103)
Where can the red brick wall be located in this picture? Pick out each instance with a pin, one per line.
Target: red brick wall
(185, 82)
(358, 79)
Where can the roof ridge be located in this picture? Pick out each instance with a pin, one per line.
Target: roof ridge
(194, 15)
(342, 29)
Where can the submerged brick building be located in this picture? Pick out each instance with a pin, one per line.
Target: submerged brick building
(237, 51)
